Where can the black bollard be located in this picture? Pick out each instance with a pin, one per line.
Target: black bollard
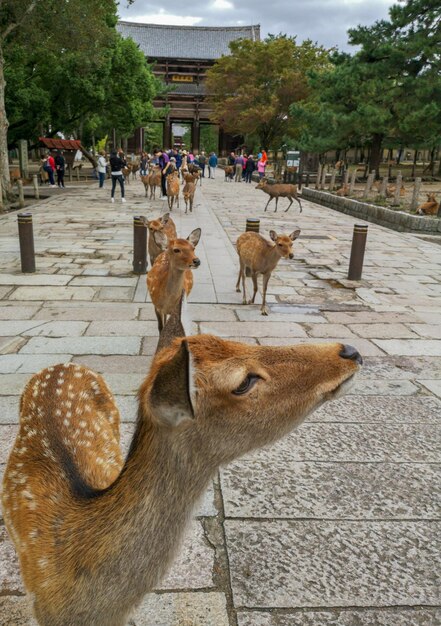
(26, 239)
(139, 245)
(307, 179)
(252, 225)
(357, 251)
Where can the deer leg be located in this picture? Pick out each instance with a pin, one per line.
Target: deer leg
(160, 319)
(300, 205)
(268, 203)
(244, 295)
(289, 204)
(277, 202)
(241, 270)
(254, 278)
(266, 278)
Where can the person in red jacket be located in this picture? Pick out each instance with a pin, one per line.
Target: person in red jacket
(49, 167)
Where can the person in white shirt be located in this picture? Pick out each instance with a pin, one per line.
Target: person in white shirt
(101, 169)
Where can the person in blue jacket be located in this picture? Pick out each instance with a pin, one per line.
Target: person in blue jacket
(212, 164)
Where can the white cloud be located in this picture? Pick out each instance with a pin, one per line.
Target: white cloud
(222, 5)
(165, 18)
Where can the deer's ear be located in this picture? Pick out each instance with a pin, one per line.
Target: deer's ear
(160, 239)
(165, 218)
(295, 234)
(170, 395)
(273, 235)
(194, 236)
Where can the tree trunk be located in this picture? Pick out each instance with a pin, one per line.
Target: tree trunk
(4, 160)
(375, 154)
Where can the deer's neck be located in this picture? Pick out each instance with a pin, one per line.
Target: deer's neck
(273, 257)
(175, 279)
(145, 513)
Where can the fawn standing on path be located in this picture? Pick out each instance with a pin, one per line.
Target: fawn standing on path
(171, 273)
(261, 257)
(164, 224)
(95, 535)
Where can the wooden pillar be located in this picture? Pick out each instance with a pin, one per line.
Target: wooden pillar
(167, 133)
(195, 136)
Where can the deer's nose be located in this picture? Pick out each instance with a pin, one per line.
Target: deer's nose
(349, 352)
(196, 262)
(291, 256)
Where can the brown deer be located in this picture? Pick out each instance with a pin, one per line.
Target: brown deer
(95, 533)
(145, 181)
(343, 191)
(229, 173)
(196, 171)
(154, 180)
(163, 224)
(171, 273)
(279, 190)
(188, 193)
(173, 190)
(430, 207)
(260, 256)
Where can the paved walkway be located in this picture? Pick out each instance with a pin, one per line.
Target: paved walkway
(335, 525)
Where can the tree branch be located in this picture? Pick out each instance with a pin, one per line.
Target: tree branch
(9, 29)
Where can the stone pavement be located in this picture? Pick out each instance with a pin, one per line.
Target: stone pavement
(339, 523)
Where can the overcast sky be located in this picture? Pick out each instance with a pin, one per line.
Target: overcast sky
(323, 21)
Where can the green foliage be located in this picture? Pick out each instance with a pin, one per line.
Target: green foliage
(389, 91)
(68, 70)
(252, 88)
(209, 139)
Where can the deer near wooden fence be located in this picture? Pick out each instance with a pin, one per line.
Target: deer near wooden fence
(95, 533)
(260, 256)
(171, 273)
(279, 190)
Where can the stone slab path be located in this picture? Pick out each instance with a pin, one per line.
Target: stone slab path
(339, 523)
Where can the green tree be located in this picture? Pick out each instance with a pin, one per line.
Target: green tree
(253, 87)
(387, 91)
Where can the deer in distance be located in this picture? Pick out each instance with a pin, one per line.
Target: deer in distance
(260, 256)
(173, 190)
(171, 273)
(188, 192)
(279, 190)
(95, 533)
(430, 207)
(164, 224)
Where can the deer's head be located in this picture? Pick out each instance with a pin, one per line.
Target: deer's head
(239, 397)
(262, 183)
(284, 243)
(156, 226)
(181, 251)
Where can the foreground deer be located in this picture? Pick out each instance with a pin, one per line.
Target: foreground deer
(261, 257)
(171, 273)
(145, 181)
(430, 207)
(279, 190)
(94, 534)
(163, 224)
(154, 180)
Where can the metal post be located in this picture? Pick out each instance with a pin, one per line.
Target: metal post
(36, 188)
(252, 224)
(139, 245)
(20, 193)
(26, 239)
(357, 251)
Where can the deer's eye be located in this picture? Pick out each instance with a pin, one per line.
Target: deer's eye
(247, 384)
(280, 245)
(176, 250)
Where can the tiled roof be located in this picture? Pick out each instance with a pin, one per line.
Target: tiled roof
(185, 42)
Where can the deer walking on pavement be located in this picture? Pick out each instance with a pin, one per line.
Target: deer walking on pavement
(260, 256)
(95, 533)
(171, 273)
(279, 190)
(164, 224)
